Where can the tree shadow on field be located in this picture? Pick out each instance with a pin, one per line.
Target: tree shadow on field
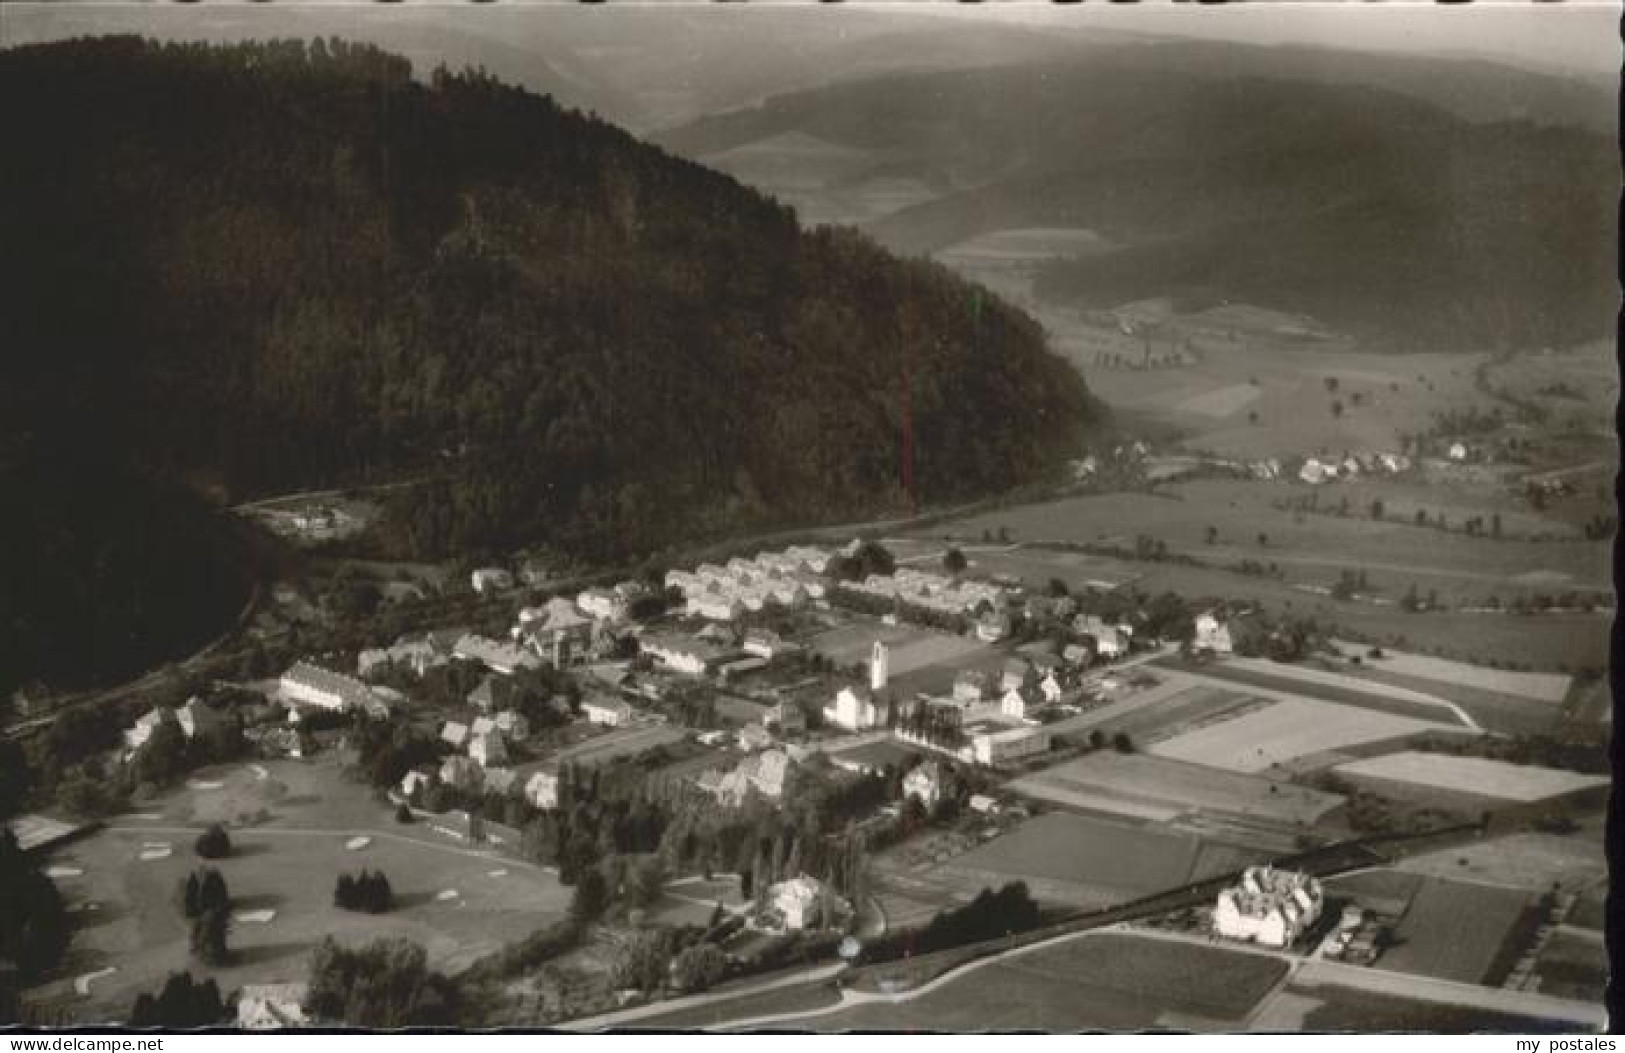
(261, 953)
(258, 901)
(408, 900)
(246, 849)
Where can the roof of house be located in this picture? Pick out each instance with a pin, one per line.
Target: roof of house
(347, 688)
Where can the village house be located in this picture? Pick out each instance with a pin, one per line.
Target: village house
(462, 772)
(854, 709)
(542, 789)
(272, 1007)
(754, 737)
(418, 654)
(512, 724)
(1211, 635)
(924, 782)
(494, 693)
(804, 903)
(787, 717)
(1016, 675)
(1271, 907)
(679, 654)
(488, 749)
(414, 781)
(765, 643)
(491, 579)
(611, 712)
(454, 733)
(495, 655)
(603, 604)
(1017, 703)
(193, 717)
(1051, 688)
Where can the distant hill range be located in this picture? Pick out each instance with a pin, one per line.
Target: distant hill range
(274, 266)
(1461, 205)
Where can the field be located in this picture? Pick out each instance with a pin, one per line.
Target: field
(1101, 861)
(1538, 687)
(1473, 775)
(1106, 777)
(1106, 981)
(1336, 1008)
(1308, 547)
(875, 755)
(1574, 964)
(1528, 860)
(458, 902)
(1453, 930)
(1283, 732)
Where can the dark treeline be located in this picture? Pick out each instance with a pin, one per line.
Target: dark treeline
(274, 265)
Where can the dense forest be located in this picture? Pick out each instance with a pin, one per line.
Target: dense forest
(249, 269)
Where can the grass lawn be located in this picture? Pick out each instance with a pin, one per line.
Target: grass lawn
(1109, 982)
(1453, 930)
(768, 1003)
(287, 865)
(1532, 861)
(1284, 731)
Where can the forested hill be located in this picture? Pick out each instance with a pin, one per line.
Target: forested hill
(281, 265)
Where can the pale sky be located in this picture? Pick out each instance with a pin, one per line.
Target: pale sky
(1581, 36)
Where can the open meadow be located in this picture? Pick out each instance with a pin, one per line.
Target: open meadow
(1109, 980)
(459, 902)
(1455, 931)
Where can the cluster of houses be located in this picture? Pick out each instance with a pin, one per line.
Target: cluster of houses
(935, 592)
(724, 592)
(1269, 906)
(1317, 470)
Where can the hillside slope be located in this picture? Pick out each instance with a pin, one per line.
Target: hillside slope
(1237, 188)
(275, 266)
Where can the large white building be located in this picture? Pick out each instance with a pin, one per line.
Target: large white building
(998, 747)
(680, 654)
(1212, 635)
(1271, 907)
(311, 685)
(801, 903)
(499, 657)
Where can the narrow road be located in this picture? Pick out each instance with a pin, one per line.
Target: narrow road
(630, 1017)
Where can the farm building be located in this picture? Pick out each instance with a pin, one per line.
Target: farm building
(417, 654)
(488, 749)
(192, 717)
(765, 643)
(1269, 906)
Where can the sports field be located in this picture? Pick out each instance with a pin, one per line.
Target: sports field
(1115, 861)
(1100, 778)
(1284, 731)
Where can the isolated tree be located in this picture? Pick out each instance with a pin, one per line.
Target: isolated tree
(1377, 508)
(591, 897)
(1212, 534)
(1122, 743)
(213, 843)
(1263, 540)
(954, 562)
(212, 892)
(210, 931)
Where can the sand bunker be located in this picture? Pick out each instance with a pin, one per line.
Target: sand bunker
(259, 772)
(356, 844)
(496, 873)
(82, 984)
(156, 850)
(253, 917)
(62, 872)
(447, 894)
(200, 784)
